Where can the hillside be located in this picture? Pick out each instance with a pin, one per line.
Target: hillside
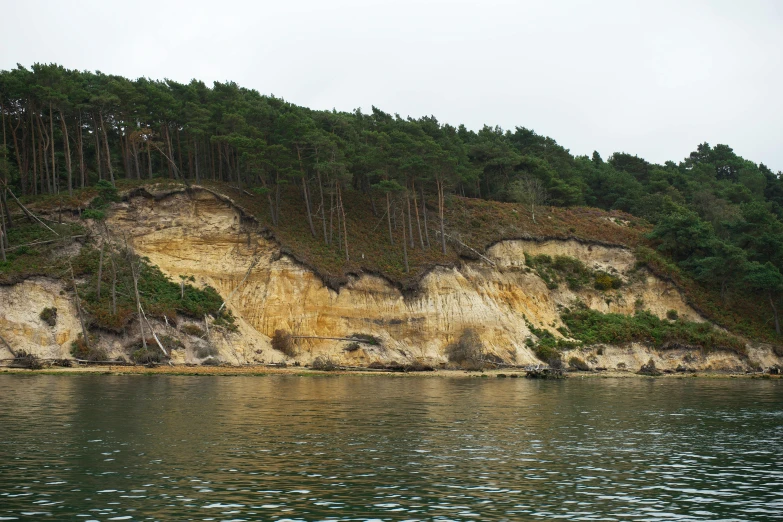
(355, 197)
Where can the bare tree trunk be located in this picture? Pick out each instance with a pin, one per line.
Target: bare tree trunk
(441, 204)
(323, 206)
(2, 230)
(135, 151)
(404, 242)
(388, 217)
(54, 169)
(108, 153)
(416, 210)
(80, 143)
(113, 283)
(100, 272)
(79, 308)
(424, 213)
(67, 147)
(345, 228)
(331, 216)
(135, 275)
(410, 221)
(149, 158)
(775, 310)
(35, 168)
(306, 195)
(97, 147)
(195, 157)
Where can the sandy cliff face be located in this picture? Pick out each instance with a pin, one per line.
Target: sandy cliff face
(201, 236)
(22, 327)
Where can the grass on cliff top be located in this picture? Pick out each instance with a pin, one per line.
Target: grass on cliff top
(472, 225)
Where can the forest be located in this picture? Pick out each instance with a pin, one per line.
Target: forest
(714, 214)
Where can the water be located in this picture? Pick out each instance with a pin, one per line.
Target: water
(87, 447)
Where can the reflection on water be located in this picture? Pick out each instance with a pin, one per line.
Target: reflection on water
(384, 448)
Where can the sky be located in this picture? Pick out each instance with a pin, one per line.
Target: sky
(652, 78)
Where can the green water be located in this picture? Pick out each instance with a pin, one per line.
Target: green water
(82, 447)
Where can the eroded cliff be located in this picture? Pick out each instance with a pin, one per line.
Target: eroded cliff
(196, 234)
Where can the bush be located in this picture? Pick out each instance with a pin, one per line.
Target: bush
(282, 342)
(192, 329)
(579, 364)
(352, 347)
(206, 350)
(550, 355)
(147, 356)
(324, 364)
(225, 319)
(777, 350)
(591, 327)
(604, 282)
(649, 369)
(93, 353)
(27, 360)
(672, 314)
(49, 316)
(366, 338)
(468, 351)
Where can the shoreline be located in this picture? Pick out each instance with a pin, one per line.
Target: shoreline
(262, 371)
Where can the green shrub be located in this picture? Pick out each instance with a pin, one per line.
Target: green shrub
(604, 281)
(672, 314)
(592, 327)
(49, 316)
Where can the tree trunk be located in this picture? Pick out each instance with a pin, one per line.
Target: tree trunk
(345, 227)
(195, 157)
(2, 230)
(410, 221)
(100, 272)
(80, 143)
(331, 216)
(441, 204)
(97, 148)
(51, 132)
(388, 217)
(416, 211)
(323, 206)
(404, 243)
(775, 311)
(424, 213)
(85, 335)
(35, 167)
(135, 151)
(108, 153)
(149, 159)
(67, 147)
(305, 191)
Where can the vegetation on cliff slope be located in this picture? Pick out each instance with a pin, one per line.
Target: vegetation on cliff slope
(352, 191)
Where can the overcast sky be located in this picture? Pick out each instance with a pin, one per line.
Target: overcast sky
(650, 78)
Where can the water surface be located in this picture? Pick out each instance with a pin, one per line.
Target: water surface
(87, 447)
